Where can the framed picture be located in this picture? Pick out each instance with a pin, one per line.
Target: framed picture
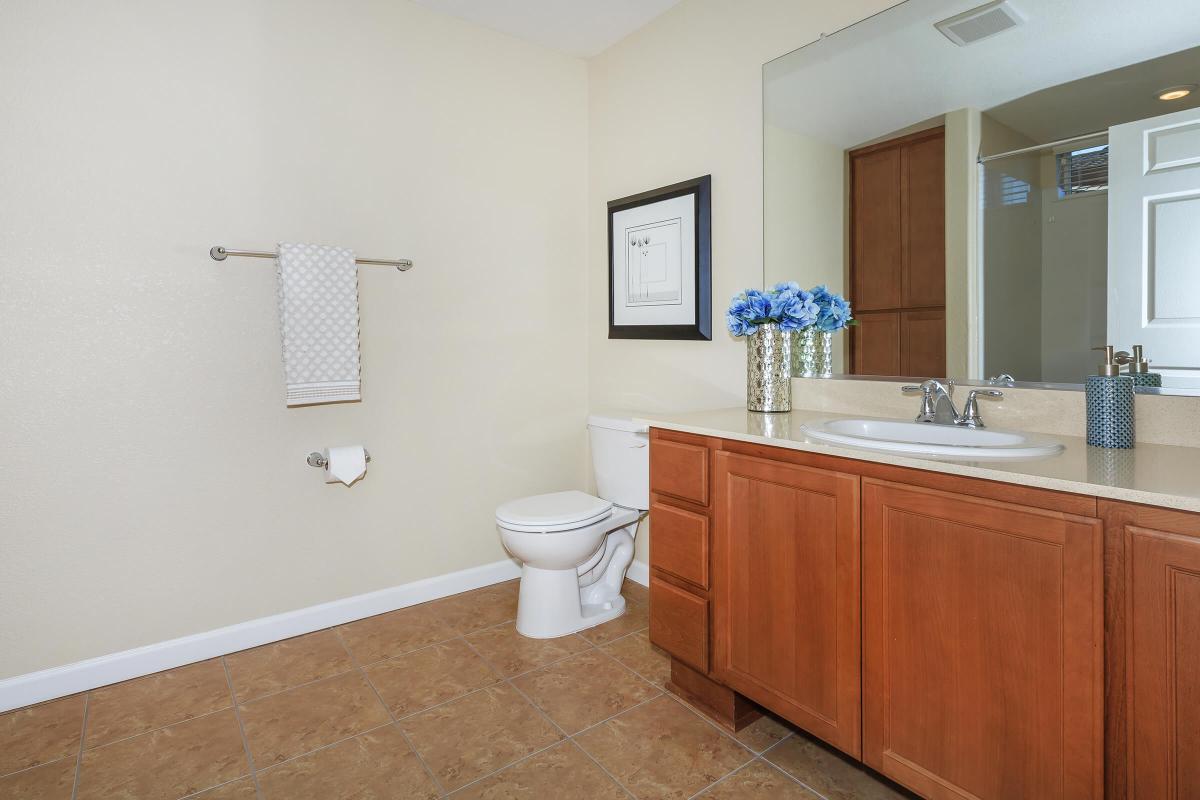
(660, 263)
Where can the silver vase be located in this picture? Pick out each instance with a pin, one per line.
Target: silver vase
(769, 369)
(825, 354)
(806, 357)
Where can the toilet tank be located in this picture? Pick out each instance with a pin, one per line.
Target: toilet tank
(620, 460)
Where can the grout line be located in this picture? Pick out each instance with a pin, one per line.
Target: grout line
(237, 715)
(217, 786)
(82, 738)
(403, 733)
(520, 760)
(343, 740)
(791, 777)
(156, 730)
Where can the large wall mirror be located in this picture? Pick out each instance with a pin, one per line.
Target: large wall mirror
(996, 188)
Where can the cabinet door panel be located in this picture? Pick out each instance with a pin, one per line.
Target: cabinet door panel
(982, 629)
(785, 585)
(923, 193)
(876, 343)
(1162, 592)
(923, 343)
(876, 236)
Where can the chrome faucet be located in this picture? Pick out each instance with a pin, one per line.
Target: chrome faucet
(937, 404)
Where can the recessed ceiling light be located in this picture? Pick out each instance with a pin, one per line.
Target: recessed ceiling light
(1176, 92)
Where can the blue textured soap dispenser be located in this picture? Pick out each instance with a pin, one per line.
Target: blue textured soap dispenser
(1139, 368)
(1109, 404)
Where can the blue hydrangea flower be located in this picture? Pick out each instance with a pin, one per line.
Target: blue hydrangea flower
(834, 314)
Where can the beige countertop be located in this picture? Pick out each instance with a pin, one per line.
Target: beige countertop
(1154, 474)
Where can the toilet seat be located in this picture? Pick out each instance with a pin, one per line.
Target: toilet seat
(554, 512)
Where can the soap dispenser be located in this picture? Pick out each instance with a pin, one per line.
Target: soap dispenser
(1109, 404)
(1139, 368)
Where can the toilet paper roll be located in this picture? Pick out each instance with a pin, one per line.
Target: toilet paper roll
(345, 464)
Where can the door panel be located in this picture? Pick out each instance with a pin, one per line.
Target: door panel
(876, 343)
(982, 626)
(923, 191)
(786, 592)
(1162, 591)
(923, 343)
(876, 234)
(1153, 238)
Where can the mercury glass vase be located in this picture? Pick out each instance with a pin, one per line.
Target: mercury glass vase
(824, 354)
(769, 369)
(806, 345)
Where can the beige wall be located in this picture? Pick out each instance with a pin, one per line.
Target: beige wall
(154, 484)
(696, 72)
(804, 214)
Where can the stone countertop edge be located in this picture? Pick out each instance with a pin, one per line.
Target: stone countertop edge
(1150, 474)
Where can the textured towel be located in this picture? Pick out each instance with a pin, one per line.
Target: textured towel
(318, 316)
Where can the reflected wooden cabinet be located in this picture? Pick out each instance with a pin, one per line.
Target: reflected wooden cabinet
(1153, 652)
(898, 256)
(982, 626)
(785, 584)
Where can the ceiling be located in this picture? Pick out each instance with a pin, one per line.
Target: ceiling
(895, 69)
(580, 28)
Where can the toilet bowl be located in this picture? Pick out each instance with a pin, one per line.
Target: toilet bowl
(575, 547)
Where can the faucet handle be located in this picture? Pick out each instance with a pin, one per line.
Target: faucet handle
(970, 414)
(927, 402)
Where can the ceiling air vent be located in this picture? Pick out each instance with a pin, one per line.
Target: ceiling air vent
(980, 23)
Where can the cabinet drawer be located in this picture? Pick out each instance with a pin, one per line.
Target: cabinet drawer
(679, 469)
(679, 623)
(679, 543)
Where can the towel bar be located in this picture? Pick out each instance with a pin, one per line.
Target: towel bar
(219, 253)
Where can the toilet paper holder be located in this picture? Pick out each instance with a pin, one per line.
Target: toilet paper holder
(317, 460)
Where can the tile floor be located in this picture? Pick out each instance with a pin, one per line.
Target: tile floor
(442, 699)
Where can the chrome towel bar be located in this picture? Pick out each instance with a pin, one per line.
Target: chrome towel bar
(219, 253)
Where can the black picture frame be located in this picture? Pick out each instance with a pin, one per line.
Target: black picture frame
(701, 189)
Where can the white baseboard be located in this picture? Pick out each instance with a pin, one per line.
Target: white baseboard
(48, 684)
(639, 572)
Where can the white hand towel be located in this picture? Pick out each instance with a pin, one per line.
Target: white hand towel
(318, 316)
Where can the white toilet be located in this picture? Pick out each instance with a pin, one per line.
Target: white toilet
(575, 547)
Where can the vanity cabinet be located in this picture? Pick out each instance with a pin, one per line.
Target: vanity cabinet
(785, 593)
(950, 632)
(1153, 652)
(982, 626)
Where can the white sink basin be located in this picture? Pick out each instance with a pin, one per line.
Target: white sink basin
(928, 439)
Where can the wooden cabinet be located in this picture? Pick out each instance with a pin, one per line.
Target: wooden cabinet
(785, 592)
(982, 631)
(966, 638)
(1153, 652)
(898, 256)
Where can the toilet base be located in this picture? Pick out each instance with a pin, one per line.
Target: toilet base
(545, 610)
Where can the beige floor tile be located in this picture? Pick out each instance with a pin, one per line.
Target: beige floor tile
(296, 721)
(395, 633)
(663, 750)
(40, 734)
(764, 732)
(282, 665)
(636, 652)
(758, 781)
(584, 689)
(424, 678)
(511, 653)
(167, 763)
(562, 771)
(635, 618)
(473, 611)
(827, 773)
(236, 790)
(53, 781)
(464, 740)
(379, 764)
(155, 701)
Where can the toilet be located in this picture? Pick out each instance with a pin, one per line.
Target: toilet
(575, 547)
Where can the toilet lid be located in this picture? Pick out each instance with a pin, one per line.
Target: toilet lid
(554, 511)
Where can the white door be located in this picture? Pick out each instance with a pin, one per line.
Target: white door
(1154, 242)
